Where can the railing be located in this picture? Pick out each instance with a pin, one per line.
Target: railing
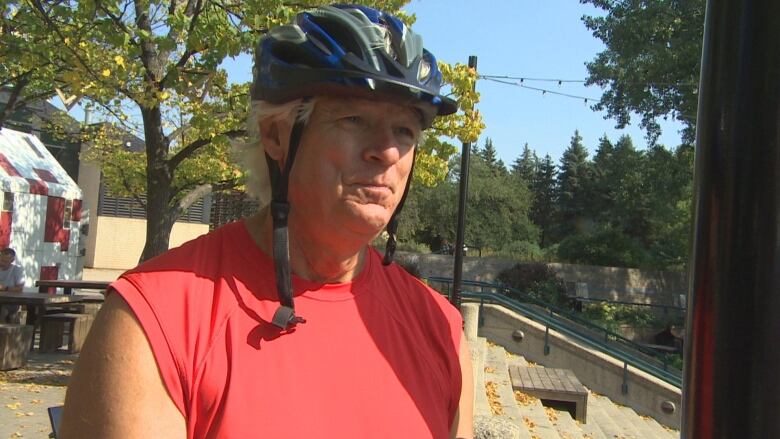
(629, 352)
(664, 308)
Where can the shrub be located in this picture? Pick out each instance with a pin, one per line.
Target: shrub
(606, 247)
(537, 281)
(523, 251)
(611, 316)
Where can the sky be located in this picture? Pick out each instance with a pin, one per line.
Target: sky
(530, 39)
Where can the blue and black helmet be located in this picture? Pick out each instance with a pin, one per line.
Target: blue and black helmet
(347, 46)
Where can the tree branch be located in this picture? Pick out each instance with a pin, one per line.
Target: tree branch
(193, 147)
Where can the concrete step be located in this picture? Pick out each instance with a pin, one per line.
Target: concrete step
(625, 428)
(564, 424)
(660, 430)
(599, 417)
(498, 384)
(591, 430)
(535, 417)
(478, 353)
(644, 429)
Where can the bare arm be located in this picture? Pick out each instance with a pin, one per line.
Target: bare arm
(463, 425)
(116, 390)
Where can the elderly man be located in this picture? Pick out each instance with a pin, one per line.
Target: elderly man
(11, 280)
(288, 324)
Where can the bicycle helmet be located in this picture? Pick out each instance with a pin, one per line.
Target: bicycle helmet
(341, 49)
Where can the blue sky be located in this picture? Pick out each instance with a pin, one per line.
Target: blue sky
(532, 39)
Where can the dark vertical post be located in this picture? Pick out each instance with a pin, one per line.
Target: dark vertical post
(732, 384)
(464, 188)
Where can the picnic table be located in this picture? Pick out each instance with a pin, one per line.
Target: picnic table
(38, 302)
(68, 285)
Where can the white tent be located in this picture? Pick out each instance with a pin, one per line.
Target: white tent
(41, 214)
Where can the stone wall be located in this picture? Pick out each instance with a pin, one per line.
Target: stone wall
(610, 283)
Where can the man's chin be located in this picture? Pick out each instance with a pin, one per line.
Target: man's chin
(368, 219)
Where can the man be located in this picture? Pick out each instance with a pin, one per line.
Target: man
(287, 324)
(11, 280)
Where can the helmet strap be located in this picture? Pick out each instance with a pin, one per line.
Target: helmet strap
(392, 225)
(284, 317)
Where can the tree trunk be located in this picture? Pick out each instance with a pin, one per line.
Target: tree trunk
(16, 91)
(159, 178)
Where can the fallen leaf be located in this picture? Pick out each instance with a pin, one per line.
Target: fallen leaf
(14, 406)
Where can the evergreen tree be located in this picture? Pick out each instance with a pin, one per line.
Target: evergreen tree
(488, 153)
(628, 211)
(573, 186)
(544, 208)
(526, 164)
(599, 191)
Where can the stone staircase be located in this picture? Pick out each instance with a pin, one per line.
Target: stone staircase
(501, 412)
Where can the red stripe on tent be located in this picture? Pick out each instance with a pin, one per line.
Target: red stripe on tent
(5, 229)
(76, 212)
(54, 232)
(9, 168)
(37, 187)
(50, 273)
(46, 175)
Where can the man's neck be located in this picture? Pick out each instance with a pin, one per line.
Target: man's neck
(311, 257)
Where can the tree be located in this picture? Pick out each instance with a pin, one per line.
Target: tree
(153, 68)
(545, 200)
(624, 178)
(526, 164)
(27, 71)
(599, 185)
(573, 185)
(651, 62)
(496, 212)
(668, 180)
(490, 157)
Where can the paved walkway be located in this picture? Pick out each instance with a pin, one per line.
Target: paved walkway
(26, 393)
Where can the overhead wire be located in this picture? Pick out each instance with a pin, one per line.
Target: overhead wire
(519, 81)
(543, 90)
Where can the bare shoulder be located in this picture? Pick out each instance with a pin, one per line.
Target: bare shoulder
(116, 390)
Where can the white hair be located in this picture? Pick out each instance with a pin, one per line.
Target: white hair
(251, 154)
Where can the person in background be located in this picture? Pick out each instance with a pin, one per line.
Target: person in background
(288, 324)
(11, 280)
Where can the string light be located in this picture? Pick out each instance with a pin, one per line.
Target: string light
(582, 81)
(543, 90)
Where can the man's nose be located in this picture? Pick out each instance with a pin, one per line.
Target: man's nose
(384, 147)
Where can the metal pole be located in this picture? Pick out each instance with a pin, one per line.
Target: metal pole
(464, 188)
(731, 385)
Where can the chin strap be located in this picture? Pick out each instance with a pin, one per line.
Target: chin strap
(392, 225)
(284, 317)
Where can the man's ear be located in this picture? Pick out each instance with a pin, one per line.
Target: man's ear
(272, 135)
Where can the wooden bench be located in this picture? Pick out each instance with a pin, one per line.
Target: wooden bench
(15, 342)
(553, 387)
(54, 326)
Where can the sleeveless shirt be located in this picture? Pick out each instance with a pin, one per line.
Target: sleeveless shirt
(376, 358)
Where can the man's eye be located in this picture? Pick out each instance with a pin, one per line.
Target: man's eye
(356, 120)
(406, 132)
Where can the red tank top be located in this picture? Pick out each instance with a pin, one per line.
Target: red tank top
(377, 357)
